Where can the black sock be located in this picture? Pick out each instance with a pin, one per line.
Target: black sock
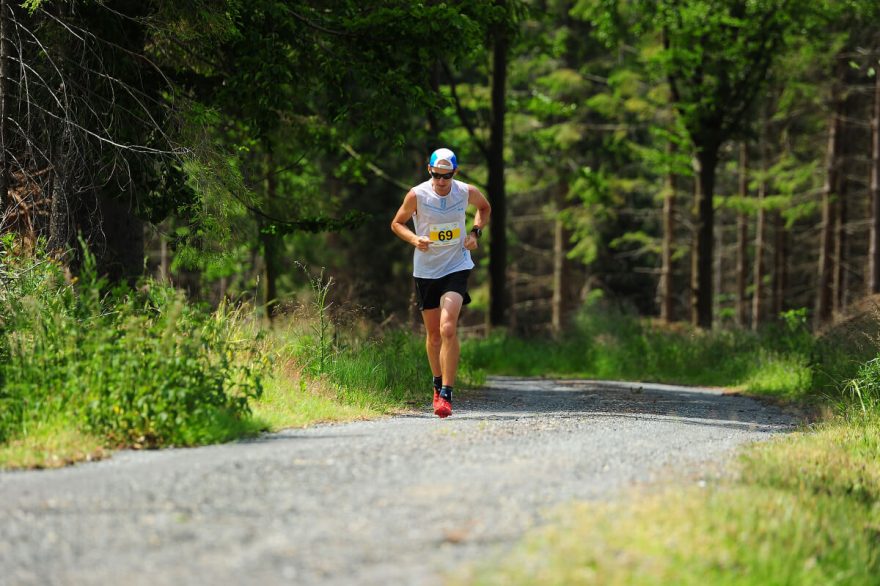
(446, 392)
(438, 382)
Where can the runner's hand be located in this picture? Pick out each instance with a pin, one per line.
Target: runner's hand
(470, 242)
(423, 243)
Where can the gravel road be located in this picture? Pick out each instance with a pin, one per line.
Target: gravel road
(392, 501)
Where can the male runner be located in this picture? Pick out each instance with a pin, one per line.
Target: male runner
(442, 262)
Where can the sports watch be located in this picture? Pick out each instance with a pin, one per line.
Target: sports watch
(477, 231)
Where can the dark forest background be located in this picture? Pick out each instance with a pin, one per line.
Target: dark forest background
(708, 161)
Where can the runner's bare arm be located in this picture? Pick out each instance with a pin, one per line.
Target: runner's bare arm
(403, 215)
(481, 218)
(479, 201)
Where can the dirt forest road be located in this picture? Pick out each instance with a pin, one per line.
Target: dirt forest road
(400, 500)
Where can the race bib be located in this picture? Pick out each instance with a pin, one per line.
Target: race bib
(444, 234)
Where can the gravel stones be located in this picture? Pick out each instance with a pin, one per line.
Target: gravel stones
(398, 500)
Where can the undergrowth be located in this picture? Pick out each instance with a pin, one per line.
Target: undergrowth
(136, 367)
(86, 365)
(783, 359)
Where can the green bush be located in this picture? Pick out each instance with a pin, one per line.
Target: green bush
(138, 367)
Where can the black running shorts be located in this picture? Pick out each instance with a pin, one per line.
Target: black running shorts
(429, 291)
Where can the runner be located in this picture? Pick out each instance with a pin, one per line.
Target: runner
(442, 262)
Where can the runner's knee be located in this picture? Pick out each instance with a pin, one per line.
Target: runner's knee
(434, 338)
(448, 329)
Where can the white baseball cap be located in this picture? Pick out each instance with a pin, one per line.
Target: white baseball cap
(443, 159)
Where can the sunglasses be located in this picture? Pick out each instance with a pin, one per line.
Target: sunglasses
(436, 175)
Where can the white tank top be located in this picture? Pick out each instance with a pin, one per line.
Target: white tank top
(442, 219)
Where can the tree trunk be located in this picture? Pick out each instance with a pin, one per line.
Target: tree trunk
(840, 243)
(4, 106)
(560, 272)
(701, 259)
(758, 292)
(495, 185)
(60, 229)
(667, 245)
(718, 271)
(874, 250)
(164, 260)
(826, 240)
(269, 240)
(121, 257)
(742, 236)
(558, 256)
(222, 288)
(60, 218)
(780, 272)
(512, 322)
(270, 270)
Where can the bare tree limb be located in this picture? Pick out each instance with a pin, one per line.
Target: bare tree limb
(462, 115)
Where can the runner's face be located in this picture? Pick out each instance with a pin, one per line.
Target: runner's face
(442, 178)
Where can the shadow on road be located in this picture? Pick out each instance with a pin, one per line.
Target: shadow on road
(504, 398)
(512, 399)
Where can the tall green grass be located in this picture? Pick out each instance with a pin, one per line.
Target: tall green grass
(368, 367)
(382, 370)
(606, 343)
(861, 394)
(386, 371)
(360, 373)
(136, 367)
(85, 365)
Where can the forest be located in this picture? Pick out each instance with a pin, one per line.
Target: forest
(712, 161)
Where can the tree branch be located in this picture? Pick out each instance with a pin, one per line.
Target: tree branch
(376, 170)
(482, 146)
(313, 25)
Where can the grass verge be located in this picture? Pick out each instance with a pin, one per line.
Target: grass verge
(802, 509)
(784, 360)
(291, 401)
(51, 445)
(87, 367)
(357, 381)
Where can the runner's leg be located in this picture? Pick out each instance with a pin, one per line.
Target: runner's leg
(433, 341)
(450, 308)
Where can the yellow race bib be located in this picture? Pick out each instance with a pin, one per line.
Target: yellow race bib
(444, 234)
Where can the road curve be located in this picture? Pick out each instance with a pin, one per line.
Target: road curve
(392, 501)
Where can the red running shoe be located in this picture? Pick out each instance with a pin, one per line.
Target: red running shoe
(436, 398)
(442, 408)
